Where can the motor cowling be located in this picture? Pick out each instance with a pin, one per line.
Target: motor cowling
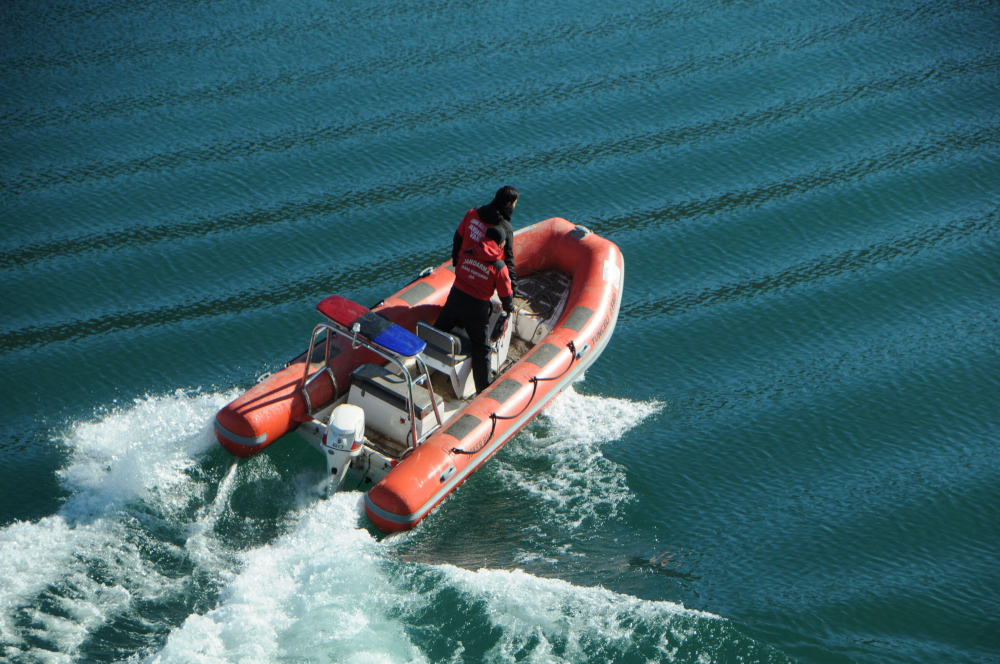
(343, 440)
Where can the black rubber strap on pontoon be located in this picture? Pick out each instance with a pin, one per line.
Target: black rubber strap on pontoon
(535, 380)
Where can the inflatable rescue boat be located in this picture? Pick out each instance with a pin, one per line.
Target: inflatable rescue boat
(389, 400)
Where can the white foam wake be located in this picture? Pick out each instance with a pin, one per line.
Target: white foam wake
(201, 543)
(315, 594)
(36, 555)
(327, 591)
(591, 419)
(555, 621)
(140, 452)
(580, 483)
(49, 589)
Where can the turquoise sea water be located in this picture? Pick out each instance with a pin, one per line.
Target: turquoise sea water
(788, 451)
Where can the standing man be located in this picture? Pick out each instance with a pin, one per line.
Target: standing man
(477, 220)
(479, 272)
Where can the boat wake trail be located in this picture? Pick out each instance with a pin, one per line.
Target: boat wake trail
(318, 593)
(535, 619)
(327, 590)
(110, 553)
(559, 460)
(201, 543)
(152, 538)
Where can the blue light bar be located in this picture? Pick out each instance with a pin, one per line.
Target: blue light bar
(401, 341)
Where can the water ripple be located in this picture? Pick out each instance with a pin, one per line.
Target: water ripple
(577, 154)
(933, 145)
(906, 245)
(417, 56)
(390, 270)
(234, 36)
(287, 140)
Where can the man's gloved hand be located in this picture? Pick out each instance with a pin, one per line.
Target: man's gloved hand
(500, 327)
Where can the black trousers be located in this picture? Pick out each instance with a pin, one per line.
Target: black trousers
(473, 314)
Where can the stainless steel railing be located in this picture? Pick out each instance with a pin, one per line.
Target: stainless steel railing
(392, 357)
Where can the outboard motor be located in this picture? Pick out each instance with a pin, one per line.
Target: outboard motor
(343, 440)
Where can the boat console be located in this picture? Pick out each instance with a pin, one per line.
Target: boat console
(385, 398)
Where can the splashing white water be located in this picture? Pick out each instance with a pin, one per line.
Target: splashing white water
(200, 542)
(591, 419)
(316, 594)
(326, 590)
(533, 613)
(329, 592)
(131, 454)
(33, 556)
(581, 482)
(138, 453)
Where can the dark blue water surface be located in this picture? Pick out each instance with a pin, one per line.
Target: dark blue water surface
(788, 451)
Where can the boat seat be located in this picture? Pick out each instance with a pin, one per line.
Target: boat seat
(383, 396)
(391, 388)
(444, 352)
(442, 347)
